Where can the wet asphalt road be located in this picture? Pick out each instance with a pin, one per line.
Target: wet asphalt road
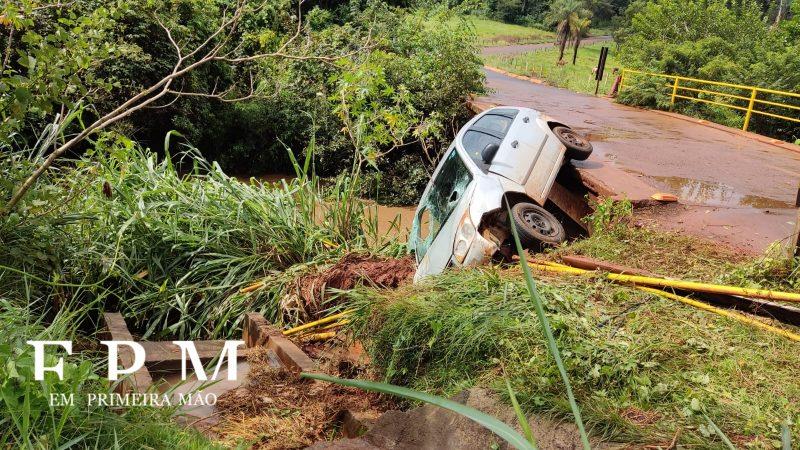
(731, 188)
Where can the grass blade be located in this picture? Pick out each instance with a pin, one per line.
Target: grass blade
(721, 435)
(786, 437)
(496, 426)
(548, 332)
(523, 421)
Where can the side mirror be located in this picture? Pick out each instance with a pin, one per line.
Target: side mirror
(488, 152)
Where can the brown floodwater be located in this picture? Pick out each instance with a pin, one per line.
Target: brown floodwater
(392, 221)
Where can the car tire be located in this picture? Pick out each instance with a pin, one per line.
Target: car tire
(537, 225)
(578, 147)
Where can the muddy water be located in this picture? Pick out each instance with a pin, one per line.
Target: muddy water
(392, 221)
(714, 194)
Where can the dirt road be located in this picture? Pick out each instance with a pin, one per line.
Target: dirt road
(731, 187)
(522, 48)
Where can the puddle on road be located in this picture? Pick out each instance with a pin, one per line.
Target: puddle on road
(714, 194)
(605, 134)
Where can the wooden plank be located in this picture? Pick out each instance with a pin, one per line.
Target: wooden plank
(290, 355)
(164, 356)
(257, 331)
(117, 330)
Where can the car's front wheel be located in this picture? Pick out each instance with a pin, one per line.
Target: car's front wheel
(578, 147)
(536, 224)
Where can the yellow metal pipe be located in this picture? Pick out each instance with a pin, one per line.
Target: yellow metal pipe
(718, 83)
(313, 324)
(727, 105)
(730, 314)
(674, 91)
(749, 110)
(777, 116)
(252, 287)
(767, 102)
(705, 91)
(751, 99)
(686, 285)
(320, 336)
(328, 327)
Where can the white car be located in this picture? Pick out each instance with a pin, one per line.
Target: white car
(505, 154)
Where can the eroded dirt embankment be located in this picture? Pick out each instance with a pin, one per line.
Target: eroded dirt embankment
(313, 290)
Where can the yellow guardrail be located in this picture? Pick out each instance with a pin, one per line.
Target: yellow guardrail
(750, 94)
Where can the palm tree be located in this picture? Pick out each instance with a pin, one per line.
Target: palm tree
(569, 16)
(580, 28)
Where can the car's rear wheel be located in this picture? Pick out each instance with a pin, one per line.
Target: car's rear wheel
(536, 225)
(578, 147)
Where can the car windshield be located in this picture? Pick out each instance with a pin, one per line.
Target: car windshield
(444, 195)
(489, 129)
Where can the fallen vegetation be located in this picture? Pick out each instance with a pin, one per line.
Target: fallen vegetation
(172, 249)
(276, 409)
(645, 370)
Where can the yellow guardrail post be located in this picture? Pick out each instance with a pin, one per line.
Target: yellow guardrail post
(621, 81)
(674, 91)
(749, 109)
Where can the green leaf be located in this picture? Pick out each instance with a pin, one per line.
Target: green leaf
(493, 424)
(548, 332)
(786, 437)
(721, 435)
(523, 421)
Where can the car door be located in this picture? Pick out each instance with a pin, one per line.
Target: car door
(529, 156)
(439, 213)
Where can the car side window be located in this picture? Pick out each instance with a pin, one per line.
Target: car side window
(445, 194)
(489, 129)
(474, 142)
(494, 123)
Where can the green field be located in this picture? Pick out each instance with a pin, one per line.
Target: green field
(542, 64)
(491, 32)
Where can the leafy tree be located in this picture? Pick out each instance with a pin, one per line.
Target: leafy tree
(580, 29)
(714, 40)
(52, 55)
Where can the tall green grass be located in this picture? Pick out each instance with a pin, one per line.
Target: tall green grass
(171, 247)
(28, 421)
(640, 367)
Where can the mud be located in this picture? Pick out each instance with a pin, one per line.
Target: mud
(392, 221)
(275, 409)
(746, 230)
(312, 291)
(432, 427)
